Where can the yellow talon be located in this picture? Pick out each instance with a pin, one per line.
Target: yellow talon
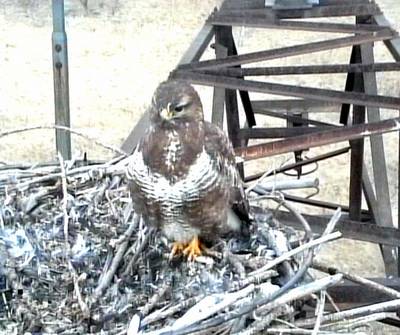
(193, 249)
(177, 248)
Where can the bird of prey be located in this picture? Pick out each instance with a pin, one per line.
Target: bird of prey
(182, 174)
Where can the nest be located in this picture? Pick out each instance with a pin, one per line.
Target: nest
(75, 259)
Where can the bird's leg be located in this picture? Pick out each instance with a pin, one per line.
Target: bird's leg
(193, 249)
(177, 248)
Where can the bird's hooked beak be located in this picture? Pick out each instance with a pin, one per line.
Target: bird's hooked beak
(167, 113)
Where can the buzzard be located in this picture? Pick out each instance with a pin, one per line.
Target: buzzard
(182, 174)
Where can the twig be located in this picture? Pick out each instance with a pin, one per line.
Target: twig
(357, 279)
(136, 256)
(82, 304)
(206, 307)
(253, 262)
(297, 250)
(330, 227)
(109, 167)
(346, 324)
(320, 312)
(155, 299)
(236, 263)
(332, 302)
(64, 202)
(159, 315)
(265, 175)
(5, 304)
(308, 257)
(134, 326)
(391, 305)
(110, 296)
(302, 291)
(294, 294)
(259, 325)
(71, 130)
(259, 180)
(299, 331)
(290, 184)
(211, 305)
(107, 278)
(255, 279)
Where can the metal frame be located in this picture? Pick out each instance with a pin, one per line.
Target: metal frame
(227, 76)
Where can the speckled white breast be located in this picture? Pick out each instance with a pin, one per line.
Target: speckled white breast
(170, 195)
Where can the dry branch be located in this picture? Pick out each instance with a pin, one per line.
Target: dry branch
(388, 306)
(71, 130)
(357, 279)
(85, 262)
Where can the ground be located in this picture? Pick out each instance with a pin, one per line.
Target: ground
(119, 52)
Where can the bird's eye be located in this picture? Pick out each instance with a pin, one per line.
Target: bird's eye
(178, 109)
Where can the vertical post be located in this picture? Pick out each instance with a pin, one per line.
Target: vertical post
(398, 203)
(219, 93)
(379, 167)
(357, 146)
(60, 74)
(349, 86)
(244, 96)
(224, 37)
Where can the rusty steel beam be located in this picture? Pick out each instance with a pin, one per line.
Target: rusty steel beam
(290, 51)
(288, 90)
(271, 23)
(317, 139)
(353, 295)
(379, 165)
(307, 69)
(224, 37)
(294, 105)
(295, 119)
(369, 192)
(357, 146)
(242, 4)
(254, 4)
(302, 163)
(392, 44)
(366, 215)
(278, 132)
(128, 146)
(218, 106)
(245, 97)
(349, 86)
(369, 232)
(356, 166)
(331, 11)
(342, 2)
(199, 44)
(314, 12)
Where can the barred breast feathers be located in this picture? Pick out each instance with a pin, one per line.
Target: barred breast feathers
(201, 176)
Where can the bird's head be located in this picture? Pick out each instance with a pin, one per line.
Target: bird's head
(175, 101)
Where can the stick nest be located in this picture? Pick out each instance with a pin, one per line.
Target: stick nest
(75, 258)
